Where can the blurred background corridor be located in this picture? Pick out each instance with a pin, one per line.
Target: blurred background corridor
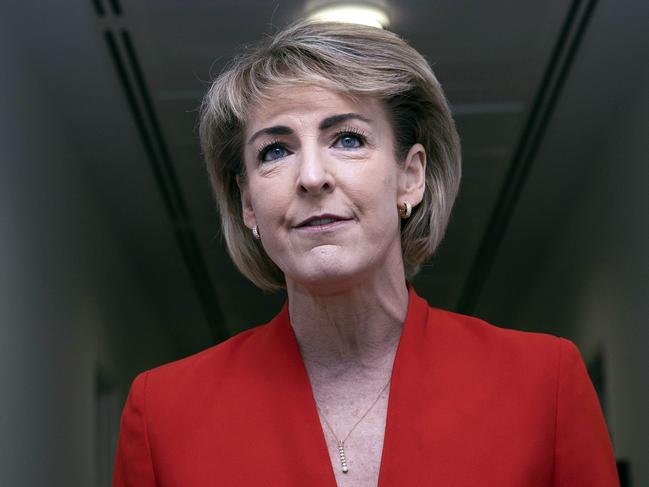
(111, 261)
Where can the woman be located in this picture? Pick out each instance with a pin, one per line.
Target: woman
(335, 163)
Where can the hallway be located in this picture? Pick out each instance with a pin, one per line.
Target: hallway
(111, 260)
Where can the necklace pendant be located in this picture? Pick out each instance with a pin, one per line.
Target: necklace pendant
(343, 458)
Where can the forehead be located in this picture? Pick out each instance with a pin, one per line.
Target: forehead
(301, 103)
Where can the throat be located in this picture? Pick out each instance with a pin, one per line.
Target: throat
(341, 344)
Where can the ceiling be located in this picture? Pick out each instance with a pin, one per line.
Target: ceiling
(157, 58)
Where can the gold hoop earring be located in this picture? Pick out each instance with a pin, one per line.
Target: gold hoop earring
(255, 232)
(406, 211)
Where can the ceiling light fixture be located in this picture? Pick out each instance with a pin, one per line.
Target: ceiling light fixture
(355, 13)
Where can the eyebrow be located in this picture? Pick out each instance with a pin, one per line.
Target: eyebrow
(324, 125)
(336, 119)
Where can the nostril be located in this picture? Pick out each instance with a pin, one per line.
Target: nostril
(324, 186)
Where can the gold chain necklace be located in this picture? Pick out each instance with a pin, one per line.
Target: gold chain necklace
(341, 443)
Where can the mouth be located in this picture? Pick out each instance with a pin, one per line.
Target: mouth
(322, 221)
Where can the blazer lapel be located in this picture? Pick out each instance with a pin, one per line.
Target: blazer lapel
(412, 362)
(292, 409)
(294, 415)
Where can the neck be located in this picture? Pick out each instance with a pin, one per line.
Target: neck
(354, 329)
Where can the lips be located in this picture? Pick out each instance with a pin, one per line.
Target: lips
(321, 221)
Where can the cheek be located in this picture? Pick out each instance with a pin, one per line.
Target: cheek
(377, 212)
(270, 200)
(268, 205)
(374, 190)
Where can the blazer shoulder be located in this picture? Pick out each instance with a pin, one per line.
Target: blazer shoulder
(208, 364)
(485, 338)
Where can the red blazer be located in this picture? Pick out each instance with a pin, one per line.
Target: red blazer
(470, 405)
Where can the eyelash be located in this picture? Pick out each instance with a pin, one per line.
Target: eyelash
(362, 136)
(266, 147)
(337, 136)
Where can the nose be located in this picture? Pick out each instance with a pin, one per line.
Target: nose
(315, 176)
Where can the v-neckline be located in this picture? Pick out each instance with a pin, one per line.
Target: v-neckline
(416, 314)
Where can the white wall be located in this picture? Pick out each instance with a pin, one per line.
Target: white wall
(68, 301)
(596, 279)
(575, 259)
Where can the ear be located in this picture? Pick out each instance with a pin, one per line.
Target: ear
(412, 178)
(247, 211)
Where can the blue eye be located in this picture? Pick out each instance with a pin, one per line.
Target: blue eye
(272, 153)
(348, 140)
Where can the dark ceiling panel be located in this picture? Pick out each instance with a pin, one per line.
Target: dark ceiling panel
(559, 66)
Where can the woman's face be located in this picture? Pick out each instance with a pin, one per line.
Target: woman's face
(323, 186)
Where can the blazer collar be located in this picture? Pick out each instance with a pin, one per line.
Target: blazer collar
(296, 412)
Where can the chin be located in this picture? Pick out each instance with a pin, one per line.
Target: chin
(330, 275)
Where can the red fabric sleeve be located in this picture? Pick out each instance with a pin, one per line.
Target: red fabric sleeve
(133, 464)
(583, 453)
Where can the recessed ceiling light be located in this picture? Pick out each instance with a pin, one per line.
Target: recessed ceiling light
(364, 14)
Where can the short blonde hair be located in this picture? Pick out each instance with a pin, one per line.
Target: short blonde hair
(352, 60)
